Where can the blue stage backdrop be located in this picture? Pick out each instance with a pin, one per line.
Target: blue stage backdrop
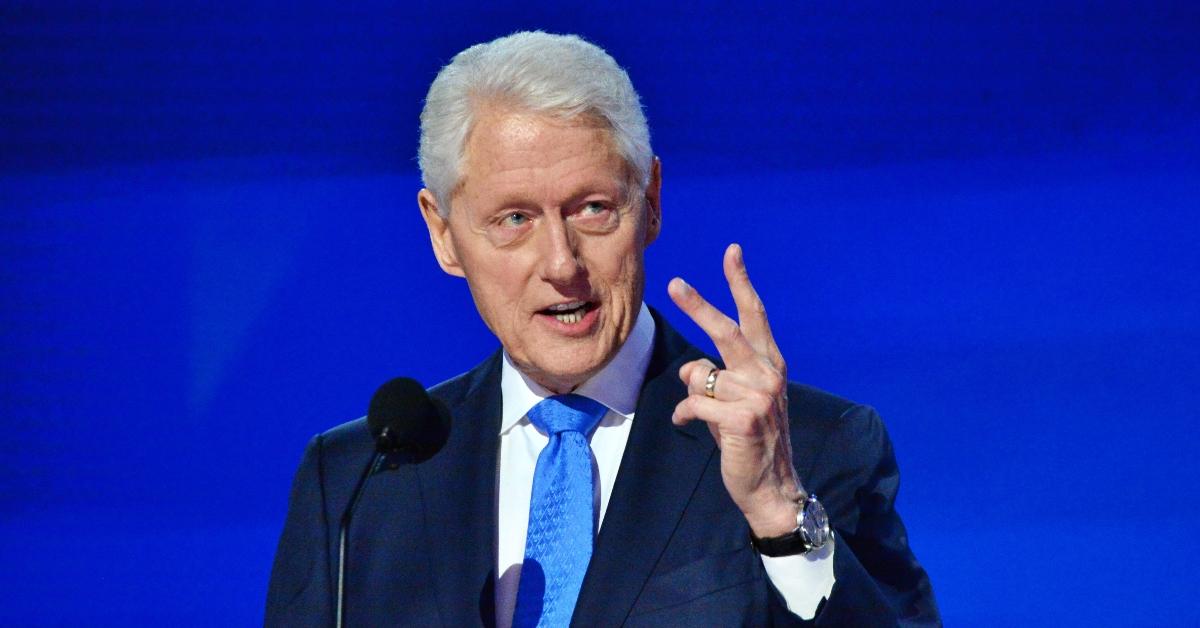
(980, 218)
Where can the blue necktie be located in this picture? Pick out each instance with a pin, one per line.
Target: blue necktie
(558, 543)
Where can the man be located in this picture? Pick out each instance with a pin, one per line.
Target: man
(600, 470)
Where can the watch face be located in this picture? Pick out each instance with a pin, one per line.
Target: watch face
(816, 523)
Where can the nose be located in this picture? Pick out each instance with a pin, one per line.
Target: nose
(559, 257)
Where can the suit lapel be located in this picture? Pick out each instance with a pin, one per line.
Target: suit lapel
(659, 471)
(457, 488)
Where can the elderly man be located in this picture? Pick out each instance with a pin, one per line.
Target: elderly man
(600, 470)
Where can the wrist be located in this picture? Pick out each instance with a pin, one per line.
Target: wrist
(812, 532)
(773, 508)
(776, 520)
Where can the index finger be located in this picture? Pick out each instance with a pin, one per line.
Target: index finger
(752, 314)
(724, 331)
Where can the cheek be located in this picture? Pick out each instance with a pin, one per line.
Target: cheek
(501, 293)
(625, 274)
(498, 277)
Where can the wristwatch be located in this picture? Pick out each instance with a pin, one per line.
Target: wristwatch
(812, 532)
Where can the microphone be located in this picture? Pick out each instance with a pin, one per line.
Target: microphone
(407, 425)
(404, 419)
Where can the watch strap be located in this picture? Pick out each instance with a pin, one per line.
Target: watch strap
(790, 544)
(798, 540)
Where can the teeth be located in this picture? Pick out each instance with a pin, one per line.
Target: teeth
(562, 307)
(570, 319)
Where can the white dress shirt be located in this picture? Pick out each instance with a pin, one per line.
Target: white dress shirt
(803, 581)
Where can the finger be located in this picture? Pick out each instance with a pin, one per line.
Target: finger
(684, 415)
(712, 411)
(752, 314)
(724, 332)
(729, 385)
(699, 407)
(696, 370)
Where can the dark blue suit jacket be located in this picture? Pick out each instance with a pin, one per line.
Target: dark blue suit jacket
(673, 550)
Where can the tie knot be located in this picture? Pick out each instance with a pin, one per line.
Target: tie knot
(567, 413)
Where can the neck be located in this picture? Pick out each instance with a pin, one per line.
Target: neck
(557, 385)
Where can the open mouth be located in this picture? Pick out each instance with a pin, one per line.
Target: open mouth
(569, 313)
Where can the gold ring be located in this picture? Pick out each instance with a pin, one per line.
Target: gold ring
(710, 384)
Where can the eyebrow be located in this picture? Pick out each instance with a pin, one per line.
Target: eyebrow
(517, 198)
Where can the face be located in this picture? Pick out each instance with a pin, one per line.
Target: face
(549, 231)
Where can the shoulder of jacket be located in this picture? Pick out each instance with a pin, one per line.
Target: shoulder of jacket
(824, 414)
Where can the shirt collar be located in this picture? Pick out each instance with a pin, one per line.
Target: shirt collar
(616, 385)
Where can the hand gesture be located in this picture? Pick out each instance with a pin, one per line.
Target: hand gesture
(745, 404)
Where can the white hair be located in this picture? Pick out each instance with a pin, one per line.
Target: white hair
(559, 75)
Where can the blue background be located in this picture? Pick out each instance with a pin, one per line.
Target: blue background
(978, 217)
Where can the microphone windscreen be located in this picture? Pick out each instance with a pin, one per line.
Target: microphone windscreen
(403, 417)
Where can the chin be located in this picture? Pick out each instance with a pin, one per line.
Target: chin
(564, 375)
(567, 376)
(561, 364)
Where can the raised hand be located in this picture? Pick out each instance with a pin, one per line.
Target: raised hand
(745, 404)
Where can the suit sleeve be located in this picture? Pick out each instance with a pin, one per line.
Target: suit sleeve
(300, 593)
(878, 579)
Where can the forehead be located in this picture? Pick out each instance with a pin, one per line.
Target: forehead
(514, 152)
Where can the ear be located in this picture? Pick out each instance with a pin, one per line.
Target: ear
(439, 234)
(654, 202)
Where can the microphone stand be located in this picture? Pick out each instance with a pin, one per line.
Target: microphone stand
(377, 462)
(401, 438)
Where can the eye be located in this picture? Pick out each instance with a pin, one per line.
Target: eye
(596, 216)
(515, 219)
(592, 211)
